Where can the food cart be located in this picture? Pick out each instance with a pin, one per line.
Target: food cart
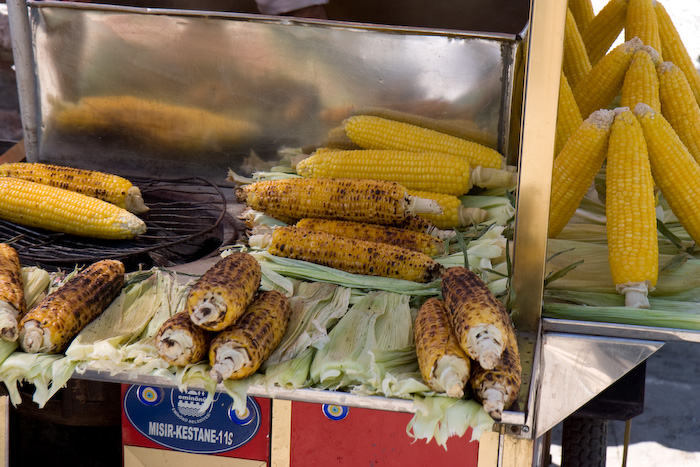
(300, 77)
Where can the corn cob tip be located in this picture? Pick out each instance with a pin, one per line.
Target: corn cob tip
(493, 403)
(665, 67)
(642, 109)
(9, 330)
(452, 374)
(636, 293)
(228, 360)
(486, 177)
(653, 53)
(128, 222)
(485, 340)
(601, 118)
(33, 339)
(134, 201)
(423, 206)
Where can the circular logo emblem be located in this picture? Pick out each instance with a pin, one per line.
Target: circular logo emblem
(150, 395)
(335, 412)
(191, 405)
(243, 419)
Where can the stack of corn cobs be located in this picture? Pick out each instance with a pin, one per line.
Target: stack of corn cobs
(380, 206)
(649, 139)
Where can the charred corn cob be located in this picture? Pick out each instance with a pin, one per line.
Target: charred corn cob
(498, 388)
(381, 133)
(575, 61)
(604, 28)
(679, 107)
(12, 303)
(633, 247)
(454, 214)
(674, 50)
(674, 170)
(373, 201)
(640, 21)
(443, 364)
(220, 296)
(180, 342)
(568, 115)
(438, 172)
(107, 187)
(239, 351)
(416, 241)
(641, 82)
(179, 127)
(480, 321)
(353, 255)
(47, 207)
(575, 167)
(599, 87)
(583, 12)
(52, 324)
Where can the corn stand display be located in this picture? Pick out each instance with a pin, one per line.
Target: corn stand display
(290, 80)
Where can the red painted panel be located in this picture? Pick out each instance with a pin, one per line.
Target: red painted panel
(372, 438)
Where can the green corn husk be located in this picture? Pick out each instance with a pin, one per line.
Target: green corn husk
(439, 418)
(393, 373)
(36, 369)
(499, 209)
(379, 321)
(316, 308)
(36, 282)
(292, 373)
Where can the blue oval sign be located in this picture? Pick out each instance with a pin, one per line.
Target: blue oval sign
(188, 421)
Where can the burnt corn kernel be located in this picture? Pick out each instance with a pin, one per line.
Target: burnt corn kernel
(353, 255)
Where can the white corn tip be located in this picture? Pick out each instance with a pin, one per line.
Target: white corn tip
(32, 338)
(635, 293)
(211, 308)
(8, 322)
(485, 344)
(175, 345)
(228, 360)
(452, 374)
(493, 402)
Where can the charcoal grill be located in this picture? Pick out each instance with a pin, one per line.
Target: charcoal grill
(187, 220)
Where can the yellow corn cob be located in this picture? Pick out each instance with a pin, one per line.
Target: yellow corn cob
(182, 128)
(454, 214)
(603, 29)
(568, 115)
(220, 296)
(439, 172)
(373, 201)
(381, 133)
(52, 325)
(674, 170)
(498, 388)
(583, 12)
(111, 188)
(443, 364)
(576, 166)
(181, 342)
(239, 351)
(47, 207)
(600, 86)
(674, 50)
(460, 128)
(633, 247)
(641, 22)
(352, 255)
(480, 321)
(12, 303)
(641, 83)
(575, 64)
(416, 241)
(679, 107)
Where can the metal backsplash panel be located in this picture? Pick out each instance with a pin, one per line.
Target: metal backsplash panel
(173, 92)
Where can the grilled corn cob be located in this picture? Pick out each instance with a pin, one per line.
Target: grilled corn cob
(180, 342)
(641, 82)
(381, 133)
(640, 21)
(498, 388)
(679, 107)
(12, 303)
(47, 207)
(575, 167)
(630, 211)
(220, 296)
(371, 201)
(599, 87)
(674, 170)
(416, 241)
(239, 351)
(52, 324)
(604, 28)
(480, 321)
(443, 364)
(674, 51)
(107, 187)
(352, 255)
(575, 60)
